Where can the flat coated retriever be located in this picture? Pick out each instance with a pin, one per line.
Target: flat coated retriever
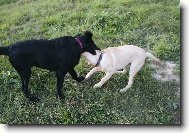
(60, 55)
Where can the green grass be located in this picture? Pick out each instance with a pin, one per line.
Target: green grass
(145, 23)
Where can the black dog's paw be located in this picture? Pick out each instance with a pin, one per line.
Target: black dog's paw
(79, 79)
(33, 98)
(62, 98)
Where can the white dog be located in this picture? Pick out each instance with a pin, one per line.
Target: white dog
(112, 59)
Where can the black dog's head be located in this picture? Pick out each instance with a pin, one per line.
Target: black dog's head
(88, 43)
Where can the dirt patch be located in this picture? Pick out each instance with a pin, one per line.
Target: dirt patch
(165, 72)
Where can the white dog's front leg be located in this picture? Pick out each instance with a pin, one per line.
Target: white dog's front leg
(92, 71)
(103, 80)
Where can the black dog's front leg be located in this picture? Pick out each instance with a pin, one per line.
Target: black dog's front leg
(60, 80)
(74, 76)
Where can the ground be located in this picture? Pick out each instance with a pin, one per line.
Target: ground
(151, 24)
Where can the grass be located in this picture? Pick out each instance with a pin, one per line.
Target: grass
(150, 24)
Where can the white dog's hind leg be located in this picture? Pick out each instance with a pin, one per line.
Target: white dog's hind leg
(103, 80)
(92, 71)
(135, 67)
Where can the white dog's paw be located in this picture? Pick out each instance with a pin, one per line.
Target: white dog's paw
(123, 90)
(87, 76)
(97, 86)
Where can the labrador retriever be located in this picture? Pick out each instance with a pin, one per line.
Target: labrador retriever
(113, 59)
(60, 55)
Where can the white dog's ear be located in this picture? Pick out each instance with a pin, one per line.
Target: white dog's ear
(98, 51)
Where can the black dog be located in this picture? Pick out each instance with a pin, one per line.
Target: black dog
(60, 55)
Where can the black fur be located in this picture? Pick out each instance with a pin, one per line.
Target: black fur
(60, 55)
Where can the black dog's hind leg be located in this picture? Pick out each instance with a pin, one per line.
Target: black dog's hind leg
(60, 80)
(74, 75)
(25, 76)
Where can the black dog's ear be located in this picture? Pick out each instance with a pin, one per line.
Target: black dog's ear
(88, 34)
(78, 35)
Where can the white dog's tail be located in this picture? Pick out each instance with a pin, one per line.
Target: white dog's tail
(152, 57)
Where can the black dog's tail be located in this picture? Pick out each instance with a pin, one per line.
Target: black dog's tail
(4, 51)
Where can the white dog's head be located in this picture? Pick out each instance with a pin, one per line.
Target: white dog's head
(92, 59)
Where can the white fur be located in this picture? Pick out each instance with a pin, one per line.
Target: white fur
(116, 58)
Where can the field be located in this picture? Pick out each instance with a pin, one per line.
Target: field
(151, 24)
